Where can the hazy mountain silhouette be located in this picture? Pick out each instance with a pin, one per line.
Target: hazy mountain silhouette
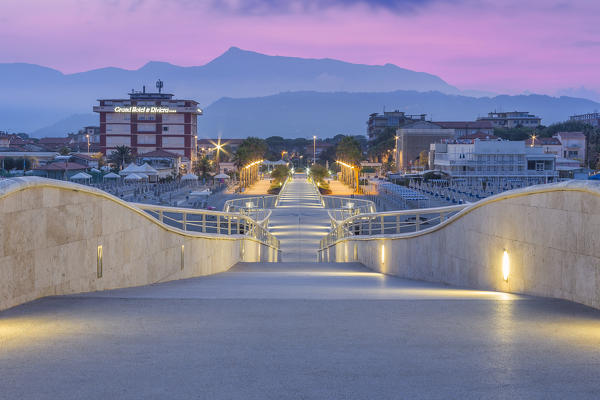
(296, 114)
(33, 96)
(273, 94)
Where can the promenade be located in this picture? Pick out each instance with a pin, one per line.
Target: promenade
(299, 330)
(299, 221)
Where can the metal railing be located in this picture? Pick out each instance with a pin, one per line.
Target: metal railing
(389, 223)
(211, 222)
(250, 203)
(341, 208)
(256, 207)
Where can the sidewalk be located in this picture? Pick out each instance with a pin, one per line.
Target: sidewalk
(260, 187)
(340, 189)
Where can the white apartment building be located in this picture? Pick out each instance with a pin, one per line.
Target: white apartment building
(494, 160)
(512, 119)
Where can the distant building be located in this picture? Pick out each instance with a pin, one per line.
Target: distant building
(319, 147)
(55, 143)
(512, 119)
(592, 119)
(208, 145)
(89, 134)
(377, 123)
(165, 162)
(85, 159)
(60, 169)
(465, 128)
(573, 145)
(416, 137)
(147, 122)
(494, 160)
(550, 145)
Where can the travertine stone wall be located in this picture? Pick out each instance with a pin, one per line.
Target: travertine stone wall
(551, 234)
(50, 232)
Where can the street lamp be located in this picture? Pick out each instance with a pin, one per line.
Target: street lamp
(218, 147)
(314, 149)
(396, 154)
(533, 137)
(88, 142)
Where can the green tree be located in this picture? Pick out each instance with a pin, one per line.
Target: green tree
(203, 167)
(423, 160)
(318, 173)
(121, 155)
(349, 151)
(280, 173)
(64, 151)
(250, 150)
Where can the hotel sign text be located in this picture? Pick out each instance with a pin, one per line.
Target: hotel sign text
(157, 110)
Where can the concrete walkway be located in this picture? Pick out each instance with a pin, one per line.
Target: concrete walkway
(299, 221)
(299, 331)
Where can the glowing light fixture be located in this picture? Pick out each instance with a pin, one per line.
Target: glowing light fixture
(383, 254)
(505, 265)
(99, 262)
(182, 256)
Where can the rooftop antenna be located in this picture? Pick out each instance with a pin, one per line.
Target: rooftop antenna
(159, 85)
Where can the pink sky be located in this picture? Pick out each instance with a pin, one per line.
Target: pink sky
(536, 45)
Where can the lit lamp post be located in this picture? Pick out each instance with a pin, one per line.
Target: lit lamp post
(87, 136)
(218, 147)
(396, 154)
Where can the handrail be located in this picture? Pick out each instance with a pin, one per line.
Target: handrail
(249, 227)
(211, 222)
(389, 223)
(460, 211)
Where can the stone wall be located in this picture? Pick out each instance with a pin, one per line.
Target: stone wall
(50, 233)
(550, 233)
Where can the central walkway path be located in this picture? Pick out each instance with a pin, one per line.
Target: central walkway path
(299, 330)
(300, 221)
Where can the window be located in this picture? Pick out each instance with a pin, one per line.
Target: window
(116, 129)
(114, 141)
(146, 139)
(146, 127)
(165, 129)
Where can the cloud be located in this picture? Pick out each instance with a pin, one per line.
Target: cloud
(266, 7)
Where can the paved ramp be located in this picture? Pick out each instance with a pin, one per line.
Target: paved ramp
(299, 331)
(299, 221)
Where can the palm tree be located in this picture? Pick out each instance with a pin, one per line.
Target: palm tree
(203, 167)
(121, 156)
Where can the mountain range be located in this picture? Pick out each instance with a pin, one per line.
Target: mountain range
(248, 93)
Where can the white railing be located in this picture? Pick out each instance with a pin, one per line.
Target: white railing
(211, 222)
(341, 208)
(389, 223)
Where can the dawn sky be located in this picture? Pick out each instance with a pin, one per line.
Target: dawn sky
(503, 46)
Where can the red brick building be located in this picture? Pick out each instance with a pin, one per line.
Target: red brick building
(147, 122)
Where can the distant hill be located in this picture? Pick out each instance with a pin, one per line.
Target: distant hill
(70, 124)
(301, 114)
(33, 97)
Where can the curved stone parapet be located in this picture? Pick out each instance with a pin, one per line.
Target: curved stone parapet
(544, 238)
(61, 238)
